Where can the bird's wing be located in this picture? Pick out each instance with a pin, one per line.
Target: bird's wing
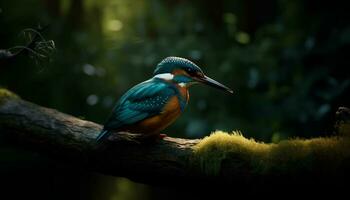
(140, 102)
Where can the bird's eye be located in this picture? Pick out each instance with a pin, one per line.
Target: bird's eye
(191, 71)
(199, 74)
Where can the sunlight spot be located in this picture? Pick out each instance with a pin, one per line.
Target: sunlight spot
(242, 37)
(230, 18)
(310, 43)
(92, 99)
(196, 128)
(201, 104)
(89, 69)
(198, 27)
(253, 78)
(115, 25)
(322, 110)
(195, 54)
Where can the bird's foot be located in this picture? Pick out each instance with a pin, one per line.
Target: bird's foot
(161, 136)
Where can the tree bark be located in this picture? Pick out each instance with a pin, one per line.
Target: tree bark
(167, 161)
(71, 139)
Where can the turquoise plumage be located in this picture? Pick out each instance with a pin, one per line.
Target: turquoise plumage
(152, 105)
(143, 101)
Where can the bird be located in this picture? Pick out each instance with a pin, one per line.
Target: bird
(151, 106)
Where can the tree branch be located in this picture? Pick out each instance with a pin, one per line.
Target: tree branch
(222, 158)
(72, 139)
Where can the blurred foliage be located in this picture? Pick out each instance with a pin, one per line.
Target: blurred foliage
(286, 60)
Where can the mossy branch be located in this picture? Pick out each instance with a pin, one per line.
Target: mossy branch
(225, 158)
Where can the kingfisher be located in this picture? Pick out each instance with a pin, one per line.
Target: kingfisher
(151, 106)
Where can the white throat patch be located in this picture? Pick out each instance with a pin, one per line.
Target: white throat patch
(165, 76)
(182, 84)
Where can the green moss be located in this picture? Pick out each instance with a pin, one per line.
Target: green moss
(5, 94)
(212, 150)
(287, 156)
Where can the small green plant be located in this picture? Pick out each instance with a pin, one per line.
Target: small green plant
(37, 47)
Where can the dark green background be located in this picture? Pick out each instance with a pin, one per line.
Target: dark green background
(287, 61)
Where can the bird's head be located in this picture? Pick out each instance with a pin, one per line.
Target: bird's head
(184, 73)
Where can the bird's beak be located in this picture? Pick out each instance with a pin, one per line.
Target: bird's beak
(211, 82)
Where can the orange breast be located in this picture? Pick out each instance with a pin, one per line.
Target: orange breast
(184, 93)
(155, 124)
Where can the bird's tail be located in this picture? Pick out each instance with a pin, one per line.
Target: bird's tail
(104, 133)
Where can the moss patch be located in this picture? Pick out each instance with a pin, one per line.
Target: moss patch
(288, 156)
(5, 94)
(219, 146)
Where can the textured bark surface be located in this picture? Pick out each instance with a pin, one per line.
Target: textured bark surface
(167, 161)
(73, 140)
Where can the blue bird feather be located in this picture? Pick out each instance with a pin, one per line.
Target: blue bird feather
(172, 77)
(143, 101)
(102, 134)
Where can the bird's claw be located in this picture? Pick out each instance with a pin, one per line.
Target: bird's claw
(161, 136)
